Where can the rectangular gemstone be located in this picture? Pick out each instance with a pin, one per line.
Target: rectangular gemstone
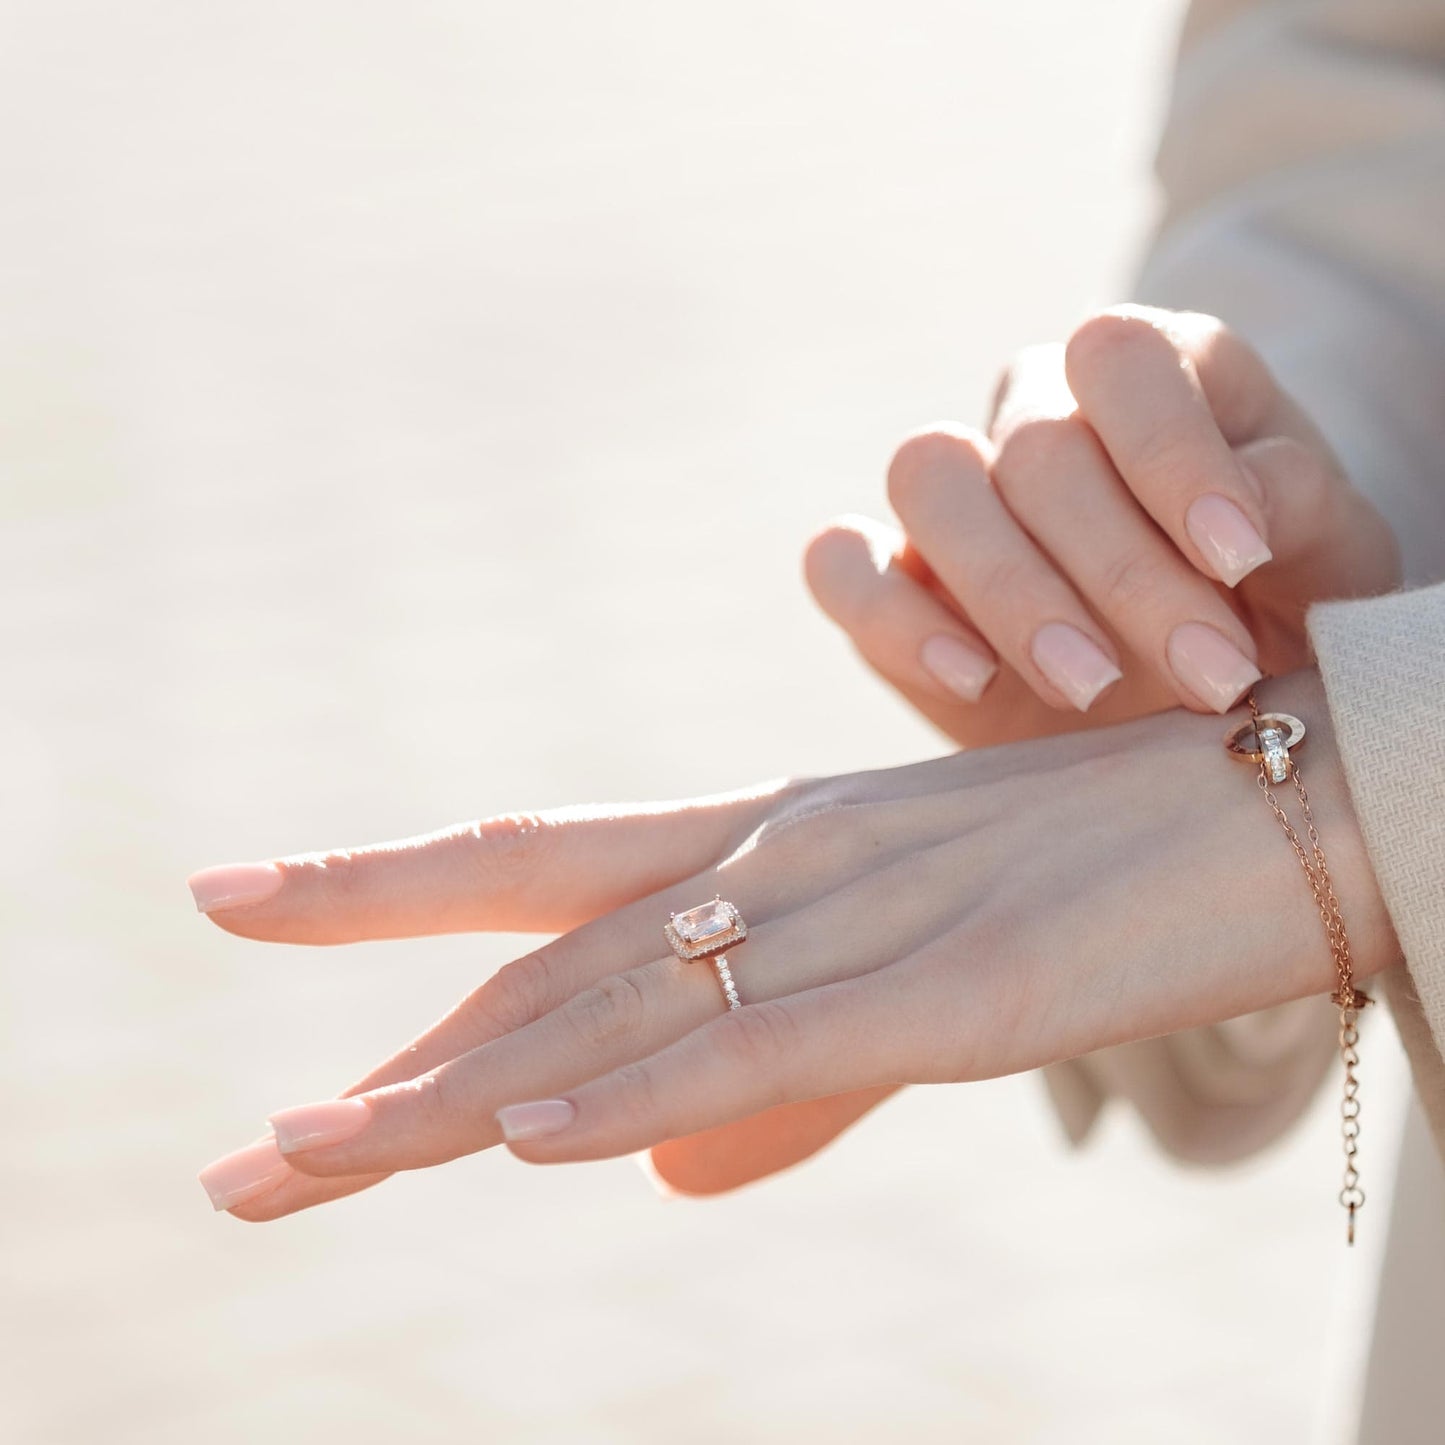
(703, 922)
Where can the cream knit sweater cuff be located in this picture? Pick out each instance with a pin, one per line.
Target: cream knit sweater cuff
(1383, 664)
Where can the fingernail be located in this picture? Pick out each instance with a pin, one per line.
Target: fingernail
(233, 884)
(1226, 537)
(1074, 664)
(535, 1118)
(247, 1174)
(959, 667)
(1210, 665)
(309, 1126)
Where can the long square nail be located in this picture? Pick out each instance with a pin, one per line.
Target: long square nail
(1210, 665)
(245, 1174)
(312, 1126)
(230, 885)
(1075, 664)
(1226, 538)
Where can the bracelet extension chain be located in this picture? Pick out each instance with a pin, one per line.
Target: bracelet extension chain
(1273, 735)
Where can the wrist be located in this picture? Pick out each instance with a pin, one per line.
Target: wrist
(1373, 944)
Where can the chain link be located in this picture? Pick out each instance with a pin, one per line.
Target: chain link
(1349, 999)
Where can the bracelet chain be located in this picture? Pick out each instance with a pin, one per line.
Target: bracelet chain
(1349, 999)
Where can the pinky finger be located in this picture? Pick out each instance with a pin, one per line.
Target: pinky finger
(859, 571)
(843, 1036)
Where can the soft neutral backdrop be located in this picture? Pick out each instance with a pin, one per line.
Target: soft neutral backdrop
(391, 395)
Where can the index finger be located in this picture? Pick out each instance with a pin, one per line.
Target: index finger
(1169, 395)
(542, 872)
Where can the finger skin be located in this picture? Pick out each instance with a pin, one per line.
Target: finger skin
(849, 1035)
(715, 1161)
(1135, 373)
(516, 873)
(856, 571)
(639, 1011)
(939, 485)
(1008, 711)
(1059, 483)
(524, 991)
(449, 1111)
(1331, 541)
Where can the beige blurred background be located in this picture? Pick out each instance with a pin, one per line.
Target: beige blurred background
(377, 384)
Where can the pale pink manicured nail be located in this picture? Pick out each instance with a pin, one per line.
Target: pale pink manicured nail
(1210, 665)
(1226, 537)
(247, 1174)
(233, 884)
(1073, 663)
(535, 1118)
(962, 670)
(309, 1126)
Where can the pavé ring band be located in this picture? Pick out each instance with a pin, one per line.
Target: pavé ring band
(708, 931)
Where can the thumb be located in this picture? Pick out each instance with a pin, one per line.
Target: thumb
(731, 1155)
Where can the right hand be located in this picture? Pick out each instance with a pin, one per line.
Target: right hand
(1142, 527)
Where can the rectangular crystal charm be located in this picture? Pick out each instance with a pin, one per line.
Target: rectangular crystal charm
(1276, 755)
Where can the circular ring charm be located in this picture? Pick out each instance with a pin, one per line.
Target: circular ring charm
(1274, 734)
(708, 931)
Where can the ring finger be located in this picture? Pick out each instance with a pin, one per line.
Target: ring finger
(622, 1017)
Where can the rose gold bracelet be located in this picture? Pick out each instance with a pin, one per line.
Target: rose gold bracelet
(1273, 734)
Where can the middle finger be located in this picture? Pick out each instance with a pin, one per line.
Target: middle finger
(1059, 483)
(624, 1016)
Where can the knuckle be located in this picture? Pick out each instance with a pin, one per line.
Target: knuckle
(1035, 376)
(430, 1099)
(757, 1036)
(1111, 336)
(1237, 379)
(804, 836)
(517, 994)
(1012, 578)
(638, 1096)
(1132, 581)
(508, 845)
(1037, 448)
(1167, 455)
(613, 1008)
(1199, 330)
(928, 462)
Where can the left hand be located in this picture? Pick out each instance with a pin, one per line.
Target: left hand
(1143, 526)
(897, 934)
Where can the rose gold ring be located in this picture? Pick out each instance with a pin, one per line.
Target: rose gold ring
(1274, 734)
(708, 931)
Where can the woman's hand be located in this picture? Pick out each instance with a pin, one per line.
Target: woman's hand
(957, 919)
(1143, 526)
